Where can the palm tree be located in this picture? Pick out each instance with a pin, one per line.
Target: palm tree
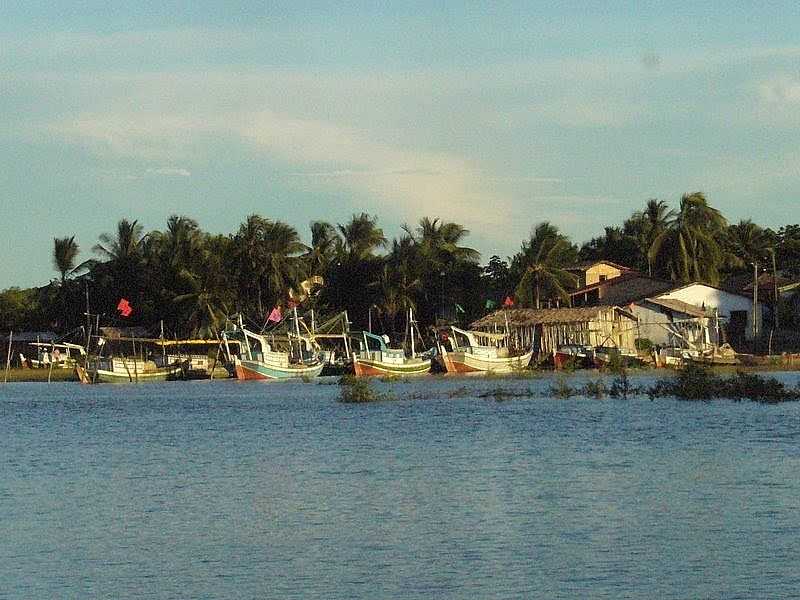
(322, 249)
(126, 245)
(267, 254)
(65, 251)
(397, 288)
(283, 265)
(747, 243)
(689, 249)
(361, 236)
(648, 225)
(542, 261)
(439, 241)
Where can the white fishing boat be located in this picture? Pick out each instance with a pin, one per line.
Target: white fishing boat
(58, 356)
(121, 369)
(460, 352)
(373, 356)
(259, 360)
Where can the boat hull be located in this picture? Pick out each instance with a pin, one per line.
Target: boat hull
(464, 362)
(371, 368)
(249, 370)
(103, 376)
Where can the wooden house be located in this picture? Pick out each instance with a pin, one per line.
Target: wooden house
(547, 329)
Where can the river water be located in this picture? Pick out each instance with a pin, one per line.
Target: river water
(232, 489)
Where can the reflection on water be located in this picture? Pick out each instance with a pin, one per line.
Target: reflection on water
(227, 489)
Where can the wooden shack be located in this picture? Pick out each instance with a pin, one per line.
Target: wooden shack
(547, 329)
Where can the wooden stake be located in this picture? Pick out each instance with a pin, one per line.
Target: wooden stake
(8, 355)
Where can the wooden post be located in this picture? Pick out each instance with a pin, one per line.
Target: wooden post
(8, 355)
(135, 367)
(50, 370)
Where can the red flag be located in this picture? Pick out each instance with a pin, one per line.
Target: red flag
(508, 301)
(275, 315)
(124, 307)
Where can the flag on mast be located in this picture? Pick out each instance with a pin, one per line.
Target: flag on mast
(124, 307)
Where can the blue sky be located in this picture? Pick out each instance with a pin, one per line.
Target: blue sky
(497, 116)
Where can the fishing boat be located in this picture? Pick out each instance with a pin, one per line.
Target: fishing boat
(573, 356)
(198, 358)
(121, 369)
(372, 355)
(57, 356)
(605, 356)
(466, 355)
(259, 360)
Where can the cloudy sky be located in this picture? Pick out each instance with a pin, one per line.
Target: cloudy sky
(496, 117)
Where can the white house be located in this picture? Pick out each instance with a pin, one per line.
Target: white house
(735, 309)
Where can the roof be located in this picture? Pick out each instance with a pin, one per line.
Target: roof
(116, 333)
(30, 336)
(683, 286)
(534, 316)
(588, 264)
(681, 307)
(743, 283)
(628, 287)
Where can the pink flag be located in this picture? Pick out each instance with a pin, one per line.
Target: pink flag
(275, 315)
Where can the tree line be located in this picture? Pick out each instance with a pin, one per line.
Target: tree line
(192, 279)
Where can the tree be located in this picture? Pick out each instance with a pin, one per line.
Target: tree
(654, 219)
(614, 245)
(323, 247)
(746, 243)
(65, 251)
(126, 245)
(689, 249)
(267, 254)
(540, 265)
(360, 237)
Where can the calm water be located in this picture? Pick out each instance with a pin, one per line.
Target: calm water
(249, 490)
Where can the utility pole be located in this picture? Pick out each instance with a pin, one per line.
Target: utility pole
(755, 307)
(775, 289)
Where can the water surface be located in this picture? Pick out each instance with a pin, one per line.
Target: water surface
(250, 490)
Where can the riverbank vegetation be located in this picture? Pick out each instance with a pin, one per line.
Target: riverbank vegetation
(191, 279)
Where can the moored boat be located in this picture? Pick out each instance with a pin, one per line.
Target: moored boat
(573, 356)
(129, 370)
(466, 355)
(372, 356)
(259, 360)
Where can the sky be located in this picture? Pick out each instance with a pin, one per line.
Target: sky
(494, 115)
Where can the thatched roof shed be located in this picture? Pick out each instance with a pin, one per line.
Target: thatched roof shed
(546, 329)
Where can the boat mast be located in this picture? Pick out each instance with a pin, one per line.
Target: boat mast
(411, 331)
(297, 330)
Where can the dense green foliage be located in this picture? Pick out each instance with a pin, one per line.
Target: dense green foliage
(192, 279)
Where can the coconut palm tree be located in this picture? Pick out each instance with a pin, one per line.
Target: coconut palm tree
(65, 251)
(283, 265)
(541, 263)
(126, 245)
(689, 249)
(646, 226)
(360, 237)
(322, 249)
(747, 243)
(439, 241)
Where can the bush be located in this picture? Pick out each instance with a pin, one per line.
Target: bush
(354, 390)
(696, 382)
